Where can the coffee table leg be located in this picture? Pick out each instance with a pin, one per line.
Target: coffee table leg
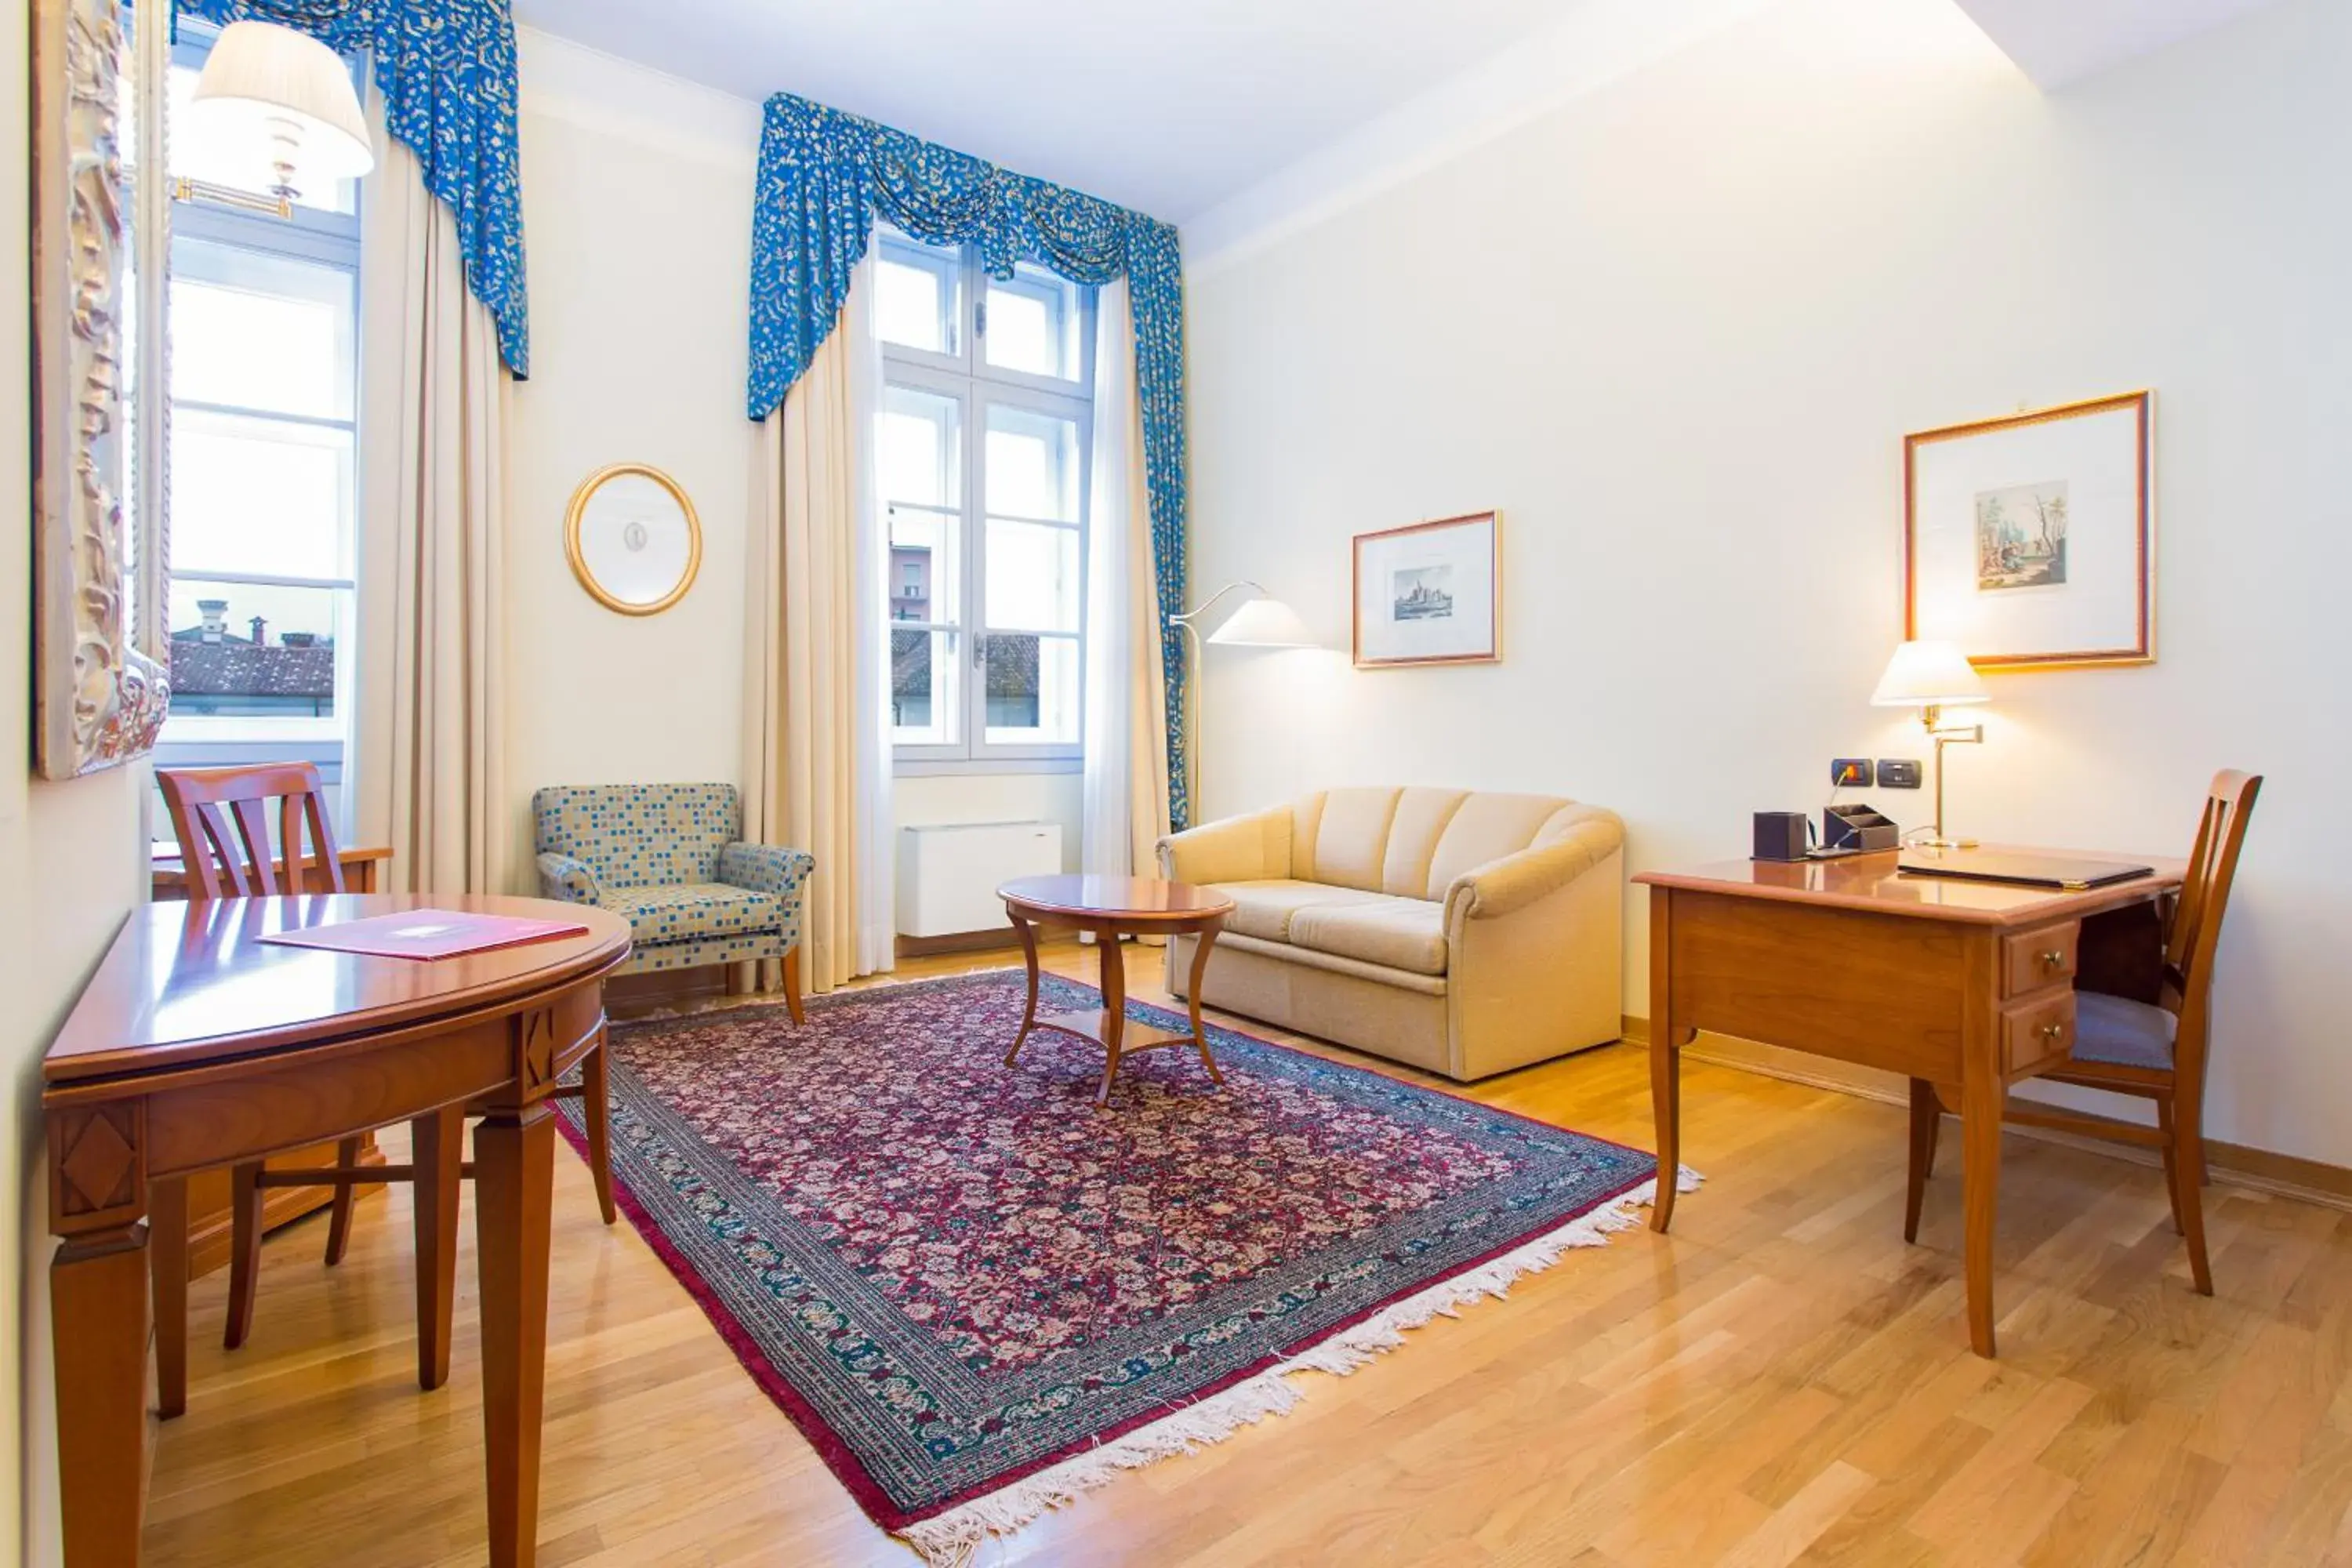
(1029, 954)
(1192, 996)
(1114, 990)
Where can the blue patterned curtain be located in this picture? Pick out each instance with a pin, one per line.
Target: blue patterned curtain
(446, 70)
(824, 176)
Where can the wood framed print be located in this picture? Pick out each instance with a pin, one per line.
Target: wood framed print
(635, 541)
(2030, 541)
(1429, 594)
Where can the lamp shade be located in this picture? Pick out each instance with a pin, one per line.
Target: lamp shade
(270, 91)
(1929, 675)
(1265, 622)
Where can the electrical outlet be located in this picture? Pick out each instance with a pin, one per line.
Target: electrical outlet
(1898, 773)
(1852, 772)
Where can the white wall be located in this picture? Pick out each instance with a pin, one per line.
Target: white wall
(1675, 333)
(638, 202)
(70, 860)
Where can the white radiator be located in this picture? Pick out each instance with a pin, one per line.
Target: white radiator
(949, 874)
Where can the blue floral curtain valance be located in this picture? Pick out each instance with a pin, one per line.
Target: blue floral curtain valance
(446, 70)
(826, 176)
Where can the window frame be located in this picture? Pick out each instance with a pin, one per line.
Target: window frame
(967, 379)
(331, 241)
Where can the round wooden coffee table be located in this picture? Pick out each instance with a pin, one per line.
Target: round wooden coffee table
(1113, 906)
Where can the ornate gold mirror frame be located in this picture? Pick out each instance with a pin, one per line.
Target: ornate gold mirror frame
(98, 699)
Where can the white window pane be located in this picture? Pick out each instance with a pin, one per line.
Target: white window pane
(1033, 464)
(1034, 324)
(921, 456)
(244, 650)
(1033, 691)
(262, 331)
(245, 166)
(923, 687)
(1032, 577)
(908, 307)
(259, 496)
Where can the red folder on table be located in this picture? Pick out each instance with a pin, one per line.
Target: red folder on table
(426, 933)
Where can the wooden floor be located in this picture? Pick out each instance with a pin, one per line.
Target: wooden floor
(1781, 1380)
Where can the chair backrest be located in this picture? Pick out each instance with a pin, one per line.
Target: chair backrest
(221, 816)
(2194, 932)
(639, 835)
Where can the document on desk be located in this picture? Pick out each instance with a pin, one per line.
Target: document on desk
(2029, 870)
(427, 934)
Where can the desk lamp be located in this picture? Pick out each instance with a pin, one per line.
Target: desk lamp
(1930, 677)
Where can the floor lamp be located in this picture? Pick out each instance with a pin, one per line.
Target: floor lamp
(1263, 621)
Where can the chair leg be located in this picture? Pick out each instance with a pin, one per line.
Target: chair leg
(167, 1263)
(438, 1141)
(793, 983)
(244, 1251)
(339, 1213)
(596, 1109)
(1927, 1121)
(2171, 1136)
(2189, 1160)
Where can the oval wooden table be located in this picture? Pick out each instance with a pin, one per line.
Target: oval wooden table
(197, 1044)
(1113, 906)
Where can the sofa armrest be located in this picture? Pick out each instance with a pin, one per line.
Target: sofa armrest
(561, 877)
(1504, 885)
(1252, 848)
(766, 868)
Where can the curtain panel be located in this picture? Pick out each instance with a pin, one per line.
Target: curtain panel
(446, 72)
(825, 177)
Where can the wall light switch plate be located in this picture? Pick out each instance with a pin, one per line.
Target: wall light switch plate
(1854, 772)
(1898, 773)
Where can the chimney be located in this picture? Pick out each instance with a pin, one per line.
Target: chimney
(215, 614)
(259, 626)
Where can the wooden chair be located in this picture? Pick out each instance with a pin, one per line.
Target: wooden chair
(221, 816)
(2152, 1045)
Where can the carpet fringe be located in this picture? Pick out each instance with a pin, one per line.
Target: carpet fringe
(953, 1539)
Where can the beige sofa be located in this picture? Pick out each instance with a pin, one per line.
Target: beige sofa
(1467, 933)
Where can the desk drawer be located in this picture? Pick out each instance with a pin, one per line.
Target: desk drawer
(2034, 960)
(2036, 1033)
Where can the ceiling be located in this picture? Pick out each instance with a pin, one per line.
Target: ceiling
(2059, 41)
(1166, 105)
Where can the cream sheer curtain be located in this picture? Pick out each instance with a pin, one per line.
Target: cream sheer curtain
(816, 754)
(1126, 729)
(435, 415)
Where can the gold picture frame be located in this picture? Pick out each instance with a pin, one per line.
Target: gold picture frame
(1448, 569)
(2029, 541)
(636, 527)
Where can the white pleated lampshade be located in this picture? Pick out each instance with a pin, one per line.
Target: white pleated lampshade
(1265, 622)
(270, 91)
(1929, 675)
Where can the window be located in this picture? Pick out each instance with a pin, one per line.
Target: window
(983, 467)
(264, 464)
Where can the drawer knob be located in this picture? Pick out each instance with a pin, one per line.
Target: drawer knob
(2053, 1031)
(2053, 959)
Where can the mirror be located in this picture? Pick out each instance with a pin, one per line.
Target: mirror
(634, 540)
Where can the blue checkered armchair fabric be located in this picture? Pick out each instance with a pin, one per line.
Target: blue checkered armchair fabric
(669, 859)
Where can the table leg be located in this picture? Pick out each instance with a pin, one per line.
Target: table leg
(1666, 1059)
(439, 1141)
(1029, 955)
(514, 1168)
(98, 1306)
(1981, 1096)
(167, 1263)
(1114, 990)
(1201, 943)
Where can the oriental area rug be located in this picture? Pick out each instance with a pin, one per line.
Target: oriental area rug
(978, 1295)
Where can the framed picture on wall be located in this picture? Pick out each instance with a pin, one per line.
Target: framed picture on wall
(1429, 594)
(2030, 541)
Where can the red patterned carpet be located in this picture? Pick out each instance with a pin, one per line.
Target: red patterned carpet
(977, 1294)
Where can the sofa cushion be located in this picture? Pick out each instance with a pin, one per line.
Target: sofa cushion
(1264, 909)
(1396, 934)
(1349, 843)
(692, 911)
(1486, 827)
(1420, 818)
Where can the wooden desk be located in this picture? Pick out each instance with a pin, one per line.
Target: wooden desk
(362, 871)
(197, 1046)
(1964, 986)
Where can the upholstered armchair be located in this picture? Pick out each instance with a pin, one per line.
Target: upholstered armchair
(669, 859)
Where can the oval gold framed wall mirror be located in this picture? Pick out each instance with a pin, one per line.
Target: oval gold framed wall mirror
(634, 540)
